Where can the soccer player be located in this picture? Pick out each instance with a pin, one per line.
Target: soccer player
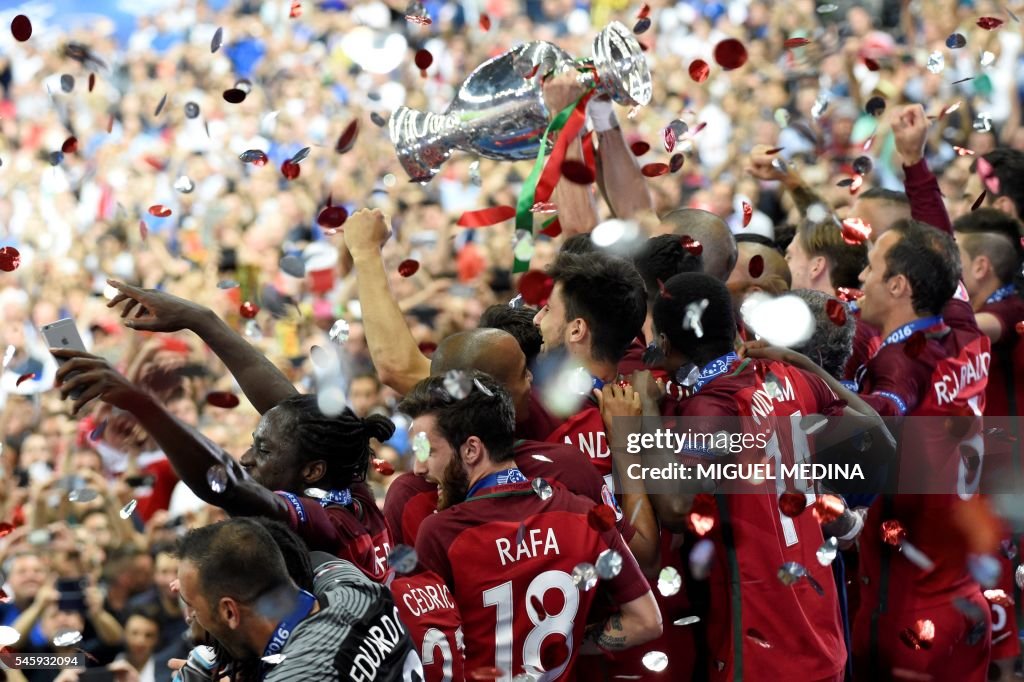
(508, 547)
(596, 309)
(428, 610)
(757, 626)
(719, 246)
(820, 259)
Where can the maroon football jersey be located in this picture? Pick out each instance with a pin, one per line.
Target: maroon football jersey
(757, 625)
(359, 535)
(1005, 394)
(540, 423)
(585, 432)
(508, 557)
(428, 611)
(412, 498)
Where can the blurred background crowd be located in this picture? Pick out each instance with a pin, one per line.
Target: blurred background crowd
(144, 103)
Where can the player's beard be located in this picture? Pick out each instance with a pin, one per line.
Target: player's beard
(454, 486)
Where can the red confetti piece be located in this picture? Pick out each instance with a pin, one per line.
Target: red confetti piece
(10, 259)
(296, 10)
(836, 311)
(421, 20)
(828, 508)
(920, 636)
(653, 170)
(347, 138)
(663, 292)
(872, 64)
(645, 11)
(256, 157)
(962, 151)
(893, 532)
(792, 504)
(977, 202)
(754, 635)
(858, 180)
(424, 59)
(225, 399)
(544, 207)
(998, 597)
(990, 23)
(5, 528)
(601, 518)
(848, 294)
(1020, 328)
(92, 81)
(332, 217)
(248, 310)
(669, 136)
(756, 266)
(730, 54)
(700, 127)
(855, 231)
(532, 72)
(70, 145)
(676, 162)
(486, 673)
(25, 377)
(21, 28)
(427, 348)
(915, 344)
(748, 213)
(536, 286)
(143, 229)
(383, 467)
(699, 70)
(577, 172)
(159, 210)
(691, 245)
(774, 150)
(639, 148)
(485, 22)
(290, 170)
(795, 42)
(408, 267)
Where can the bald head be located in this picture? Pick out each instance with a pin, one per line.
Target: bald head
(773, 279)
(719, 245)
(494, 352)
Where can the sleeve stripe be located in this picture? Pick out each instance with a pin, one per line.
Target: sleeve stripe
(900, 405)
(295, 504)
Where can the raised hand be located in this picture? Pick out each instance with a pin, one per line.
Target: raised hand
(96, 379)
(910, 129)
(366, 230)
(155, 311)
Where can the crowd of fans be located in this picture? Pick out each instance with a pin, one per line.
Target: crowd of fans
(120, 161)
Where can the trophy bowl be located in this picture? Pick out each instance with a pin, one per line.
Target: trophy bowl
(499, 113)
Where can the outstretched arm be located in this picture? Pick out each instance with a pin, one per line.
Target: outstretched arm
(623, 185)
(398, 359)
(155, 311)
(910, 130)
(191, 454)
(577, 209)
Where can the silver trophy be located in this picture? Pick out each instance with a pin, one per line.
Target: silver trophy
(500, 114)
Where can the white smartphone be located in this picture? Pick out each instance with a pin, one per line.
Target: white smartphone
(64, 334)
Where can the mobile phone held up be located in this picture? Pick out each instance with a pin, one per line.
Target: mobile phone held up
(64, 334)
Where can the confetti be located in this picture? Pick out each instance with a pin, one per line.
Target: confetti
(227, 284)
(920, 636)
(421, 446)
(10, 259)
(653, 170)
(700, 559)
(5, 529)
(56, 158)
(542, 488)
(792, 504)
(217, 40)
(423, 59)
(544, 207)
(82, 495)
(962, 151)
(756, 266)
(67, 82)
(577, 172)
(754, 635)
(25, 377)
(795, 42)
(655, 661)
(855, 231)
(936, 62)
(67, 638)
(748, 213)
(339, 332)
(408, 267)
(248, 310)
(485, 22)
(92, 81)
(687, 620)
(955, 41)
(403, 559)
(274, 659)
(691, 245)
(989, 23)
(828, 551)
(128, 509)
(982, 122)
(332, 217)
(224, 399)
(383, 467)
(159, 211)
(669, 581)
(458, 383)
(584, 576)
(256, 157)
(836, 311)
(699, 70)
(234, 95)
(608, 564)
(676, 162)
(21, 29)
(70, 145)
(535, 287)
(639, 148)
(862, 165)
(693, 315)
(641, 26)
(217, 478)
(416, 13)
(8, 635)
(730, 54)
(290, 170)
(827, 8)
(160, 106)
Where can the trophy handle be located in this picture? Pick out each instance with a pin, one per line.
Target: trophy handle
(423, 141)
(621, 66)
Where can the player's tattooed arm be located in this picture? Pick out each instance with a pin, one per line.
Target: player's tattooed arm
(612, 637)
